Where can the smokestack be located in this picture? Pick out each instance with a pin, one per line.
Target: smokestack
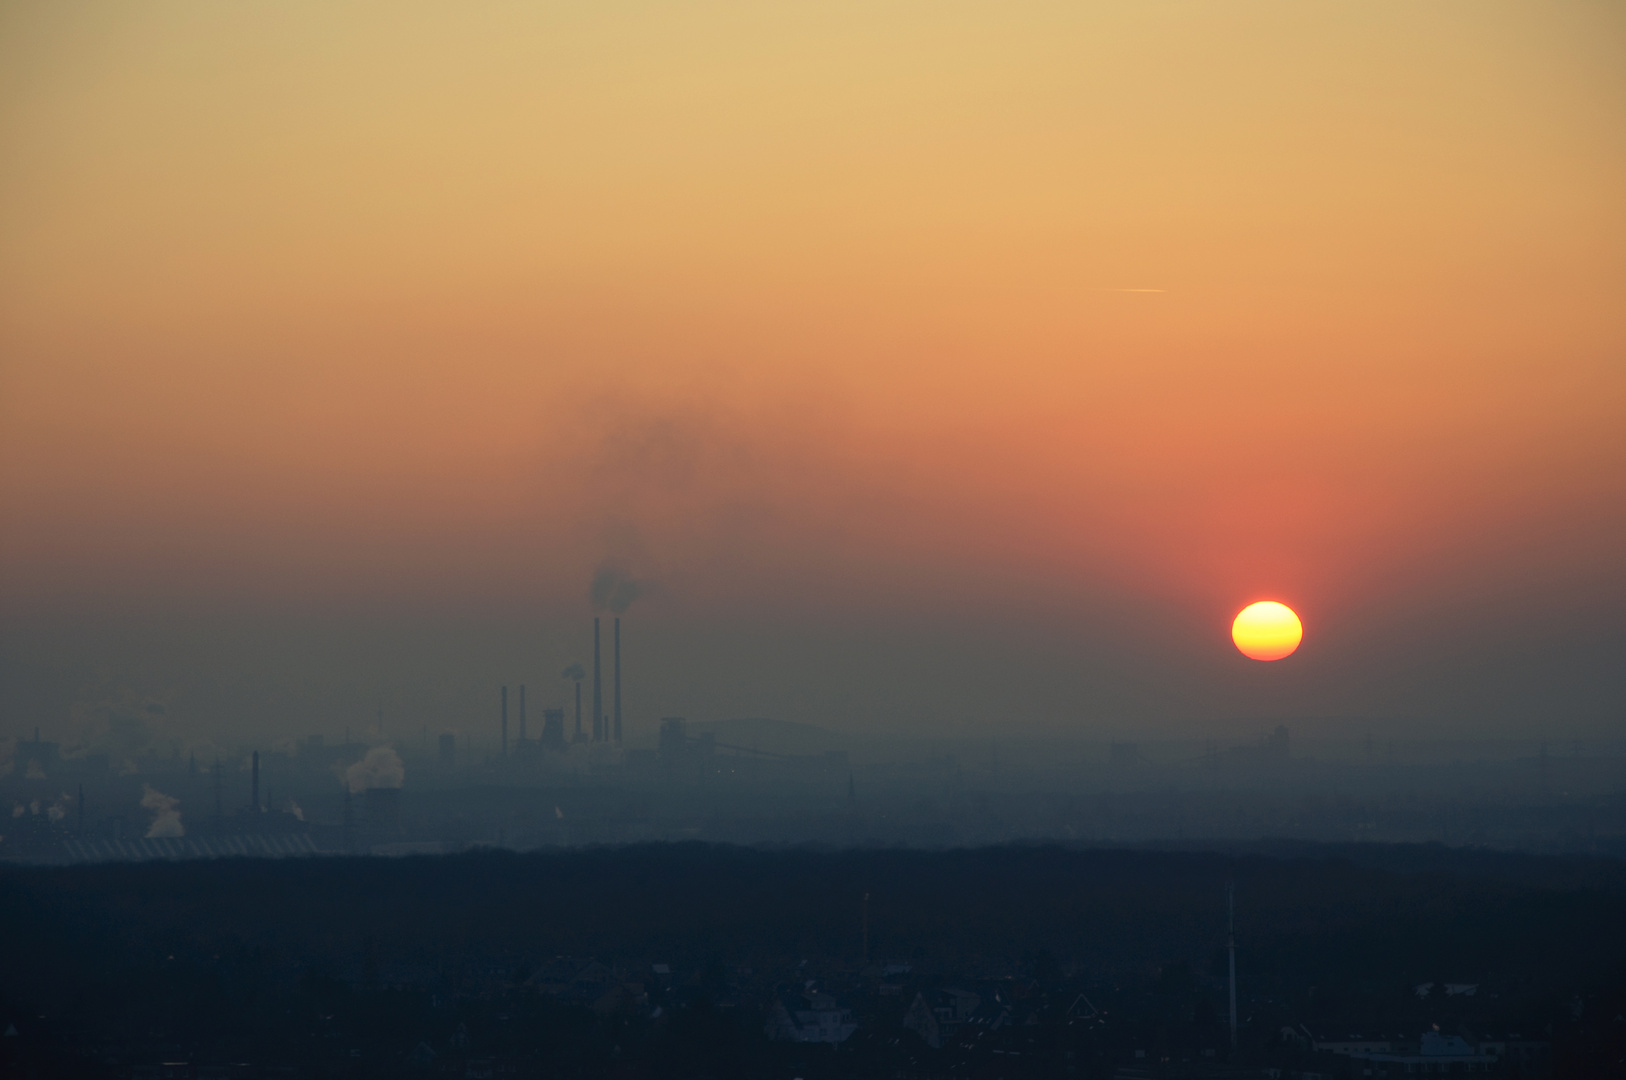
(598, 688)
(578, 710)
(255, 791)
(505, 721)
(81, 811)
(521, 712)
(219, 813)
(618, 680)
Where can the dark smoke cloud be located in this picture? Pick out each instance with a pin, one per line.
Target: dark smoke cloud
(574, 671)
(613, 589)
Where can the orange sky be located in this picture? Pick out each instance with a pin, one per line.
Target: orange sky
(1103, 317)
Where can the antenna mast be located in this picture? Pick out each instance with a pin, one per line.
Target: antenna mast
(1230, 948)
(866, 931)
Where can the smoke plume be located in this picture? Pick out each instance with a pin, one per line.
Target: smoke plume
(381, 768)
(613, 589)
(574, 671)
(166, 820)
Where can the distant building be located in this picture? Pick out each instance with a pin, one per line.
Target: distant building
(1518, 1055)
(674, 737)
(553, 729)
(937, 1016)
(620, 998)
(1354, 1044)
(587, 981)
(37, 760)
(1433, 1053)
(448, 749)
(812, 1017)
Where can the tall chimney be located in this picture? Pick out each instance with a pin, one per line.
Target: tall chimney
(598, 688)
(618, 680)
(578, 710)
(521, 712)
(255, 790)
(81, 811)
(505, 721)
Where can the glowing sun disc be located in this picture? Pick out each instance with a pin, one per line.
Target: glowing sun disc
(1267, 631)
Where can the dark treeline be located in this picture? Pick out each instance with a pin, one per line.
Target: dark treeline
(1113, 910)
(259, 957)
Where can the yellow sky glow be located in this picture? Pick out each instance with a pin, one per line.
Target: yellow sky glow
(843, 304)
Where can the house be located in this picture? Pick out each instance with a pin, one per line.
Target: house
(1082, 1009)
(1434, 1053)
(1355, 1043)
(621, 998)
(592, 981)
(936, 1018)
(1528, 1057)
(168, 1070)
(810, 1017)
(556, 976)
(578, 980)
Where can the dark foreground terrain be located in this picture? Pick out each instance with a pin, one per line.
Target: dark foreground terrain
(692, 960)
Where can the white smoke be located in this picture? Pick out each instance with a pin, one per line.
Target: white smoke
(381, 768)
(166, 820)
(293, 808)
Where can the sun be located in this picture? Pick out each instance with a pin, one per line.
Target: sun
(1267, 631)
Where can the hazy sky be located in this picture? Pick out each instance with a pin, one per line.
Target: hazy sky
(930, 363)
